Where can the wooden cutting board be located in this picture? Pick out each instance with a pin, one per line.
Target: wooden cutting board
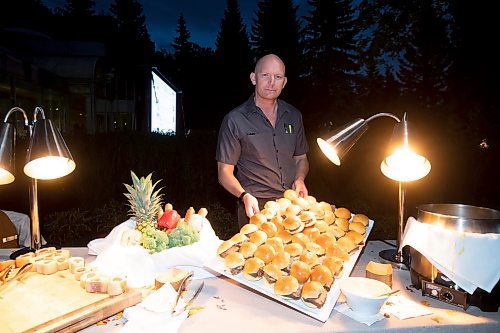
(56, 303)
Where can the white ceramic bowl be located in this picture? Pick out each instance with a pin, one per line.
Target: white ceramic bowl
(361, 294)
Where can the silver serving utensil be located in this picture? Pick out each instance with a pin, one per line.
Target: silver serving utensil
(388, 294)
(182, 287)
(191, 300)
(19, 275)
(4, 274)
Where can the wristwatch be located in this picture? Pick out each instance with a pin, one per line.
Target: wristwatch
(240, 198)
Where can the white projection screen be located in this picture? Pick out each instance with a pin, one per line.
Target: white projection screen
(163, 106)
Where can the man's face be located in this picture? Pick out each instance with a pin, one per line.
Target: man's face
(269, 78)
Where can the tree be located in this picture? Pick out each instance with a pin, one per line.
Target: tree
(182, 45)
(79, 8)
(330, 54)
(234, 59)
(276, 29)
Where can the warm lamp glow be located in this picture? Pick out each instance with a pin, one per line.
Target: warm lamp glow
(404, 165)
(6, 177)
(328, 151)
(50, 167)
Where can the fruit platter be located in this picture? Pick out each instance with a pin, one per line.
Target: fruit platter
(155, 238)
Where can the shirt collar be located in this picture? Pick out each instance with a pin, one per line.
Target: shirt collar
(252, 108)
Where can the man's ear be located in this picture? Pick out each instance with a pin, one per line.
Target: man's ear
(252, 78)
(284, 82)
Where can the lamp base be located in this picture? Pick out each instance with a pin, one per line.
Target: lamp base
(392, 257)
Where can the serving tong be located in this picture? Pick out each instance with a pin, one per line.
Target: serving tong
(21, 273)
(183, 287)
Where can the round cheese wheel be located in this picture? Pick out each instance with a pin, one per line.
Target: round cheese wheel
(79, 271)
(96, 285)
(85, 277)
(75, 262)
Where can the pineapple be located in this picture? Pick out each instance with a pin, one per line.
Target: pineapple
(144, 202)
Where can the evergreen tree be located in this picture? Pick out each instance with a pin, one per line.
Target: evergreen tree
(79, 8)
(131, 53)
(234, 59)
(330, 54)
(182, 45)
(276, 29)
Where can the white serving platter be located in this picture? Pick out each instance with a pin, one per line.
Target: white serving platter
(322, 314)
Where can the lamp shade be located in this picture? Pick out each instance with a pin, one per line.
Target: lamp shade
(7, 137)
(337, 144)
(48, 156)
(403, 162)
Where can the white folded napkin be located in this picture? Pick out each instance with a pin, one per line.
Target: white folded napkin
(153, 314)
(364, 319)
(404, 308)
(468, 259)
(194, 256)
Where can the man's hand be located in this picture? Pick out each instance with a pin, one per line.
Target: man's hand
(251, 205)
(300, 187)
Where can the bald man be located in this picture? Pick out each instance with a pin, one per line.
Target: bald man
(262, 140)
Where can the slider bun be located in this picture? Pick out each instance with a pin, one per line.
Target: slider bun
(239, 238)
(222, 250)
(265, 252)
(247, 249)
(338, 252)
(360, 218)
(321, 225)
(300, 270)
(293, 224)
(292, 210)
(248, 229)
(325, 206)
(355, 236)
(281, 260)
(284, 203)
(346, 243)
(258, 219)
(343, 213)
(268, 213)
(278, 221)
(311, 232)
(342, 223)
(272, 205)
(308, 218)
(301, 239)
(313, 290)
(285, 286)
(302, 203)
(295, 249)
(269, 228)
(335, 230)
(325, 240)
(276, 243)
(309, 258)
(334, 264)
(251, 269)
(323, 275)
(358, 227)
(329, 217)
(234, 260)
(285, 236)
(290, 194)
(258, 237)
(312, 200)
(315, 248)
(273, 271)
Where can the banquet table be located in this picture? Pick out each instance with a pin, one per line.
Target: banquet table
(225, 305)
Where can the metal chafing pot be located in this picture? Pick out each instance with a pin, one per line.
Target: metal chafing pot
(456, 217)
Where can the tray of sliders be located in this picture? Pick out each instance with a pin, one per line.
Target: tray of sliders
(296, 251)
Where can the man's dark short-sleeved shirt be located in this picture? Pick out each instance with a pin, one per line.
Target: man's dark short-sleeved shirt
(263, 155)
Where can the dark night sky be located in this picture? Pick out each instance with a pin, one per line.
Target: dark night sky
(202, 17)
